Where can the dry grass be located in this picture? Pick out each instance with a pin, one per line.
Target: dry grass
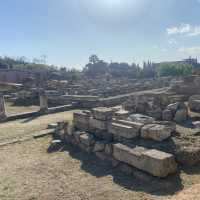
(30, 173)
(12, 109)
(27, 126)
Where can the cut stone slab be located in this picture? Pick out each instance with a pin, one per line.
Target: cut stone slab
(124, 131)
(141, 118)
(97, 124)
(155, 162)
(156, 132)
(102, 113)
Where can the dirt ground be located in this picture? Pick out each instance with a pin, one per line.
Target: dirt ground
(12, 109)
(29, 172)
(22, 127)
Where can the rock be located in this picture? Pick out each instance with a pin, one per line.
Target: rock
(126, 169)
(173, 107)
(77, 135)
(99, 146)
(156, 132)
(188, 155)
(51, 126)
(87, 139)
(181, 116)
(97, 124)
(141, 118)
(102, 113)
(108, 149)
(194, 103)
(123, 130)
(167, 115)
(153, 161)
(55, 145)
(81, 120)
(196, 124)
(121, 114)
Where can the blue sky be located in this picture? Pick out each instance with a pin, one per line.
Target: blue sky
(68, 31)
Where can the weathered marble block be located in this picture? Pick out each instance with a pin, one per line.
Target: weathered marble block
(157, 132)
(155, 162)
(122, 130)
(102, 113)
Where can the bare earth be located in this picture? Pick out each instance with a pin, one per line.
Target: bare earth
(28, 172)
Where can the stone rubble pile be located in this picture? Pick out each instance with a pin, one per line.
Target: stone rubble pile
(108, 138)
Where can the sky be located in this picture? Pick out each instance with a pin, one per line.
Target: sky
(69, 31)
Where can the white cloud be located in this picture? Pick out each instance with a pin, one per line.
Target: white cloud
(184, 29)
(190, 50)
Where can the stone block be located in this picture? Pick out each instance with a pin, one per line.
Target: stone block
(194, 103)
(136, 125)
(99, 146)
(87, 139)
(102, 113)
(155, 162)
(141, 118)
(159, 163)
(77, 135)
(157, 132)
(97, 124)
(167, 115)
(81, 120)
(121, 130)
(108, 149)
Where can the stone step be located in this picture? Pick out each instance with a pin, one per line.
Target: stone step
(155, 162)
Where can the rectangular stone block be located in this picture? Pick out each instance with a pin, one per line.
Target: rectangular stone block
(97, 124)
(81, 120)
(87, 139)
(157, 132)
(155, 162)
(136, 125)
(102, 113)
(124, 131)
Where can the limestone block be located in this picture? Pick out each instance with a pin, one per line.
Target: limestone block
(99, 146)
(167, 115)
(156, 132)
(141, 118)
(159, 163)
(97, 124)
(155, 162)
(123, 130)
(181, 115)
(136, 125)
(81, 120)
(102, 113)
(194, 103)
(87, 139)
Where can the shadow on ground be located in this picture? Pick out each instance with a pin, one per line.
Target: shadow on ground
(98, 168)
